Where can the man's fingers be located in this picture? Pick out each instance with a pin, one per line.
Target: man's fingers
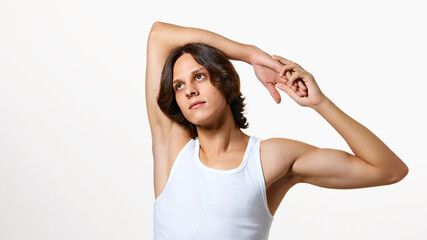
(293, 78)
(287, 90)
(281, 59)
(285, 69)
(301, 94)
(288, 75)
(273, 92)
(292, 90)
(277, 66)
(294, 87)
(301, 85)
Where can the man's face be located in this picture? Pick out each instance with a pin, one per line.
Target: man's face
(191, 83)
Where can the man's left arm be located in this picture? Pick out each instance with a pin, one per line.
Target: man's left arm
(372, 164)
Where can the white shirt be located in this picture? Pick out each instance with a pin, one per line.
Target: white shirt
(203, 203)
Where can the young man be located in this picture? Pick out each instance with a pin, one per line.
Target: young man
(211, 180)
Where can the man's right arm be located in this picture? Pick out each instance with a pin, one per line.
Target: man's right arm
(162, 39)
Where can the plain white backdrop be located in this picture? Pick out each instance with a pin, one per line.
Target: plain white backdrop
(75, 145)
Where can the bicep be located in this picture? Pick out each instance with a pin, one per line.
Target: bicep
(333, 168)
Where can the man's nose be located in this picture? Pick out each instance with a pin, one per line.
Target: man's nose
(191, 90)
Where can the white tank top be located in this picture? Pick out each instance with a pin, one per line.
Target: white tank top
(203, 203)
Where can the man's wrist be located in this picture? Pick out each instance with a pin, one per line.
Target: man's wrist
(251, 52)
(322, 104)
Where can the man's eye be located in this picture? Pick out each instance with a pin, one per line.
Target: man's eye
(199, 76)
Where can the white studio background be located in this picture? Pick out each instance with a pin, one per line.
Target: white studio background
(75, 146)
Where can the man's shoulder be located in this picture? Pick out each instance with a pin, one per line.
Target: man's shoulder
(284, 148)
(278, 144)
(277, 155)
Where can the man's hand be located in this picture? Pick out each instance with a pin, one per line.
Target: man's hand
(299, 84)
(267, 71)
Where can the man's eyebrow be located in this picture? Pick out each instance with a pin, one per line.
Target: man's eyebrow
(192, 73)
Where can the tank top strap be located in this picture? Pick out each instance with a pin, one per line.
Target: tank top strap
(257, 171)
(179, 165)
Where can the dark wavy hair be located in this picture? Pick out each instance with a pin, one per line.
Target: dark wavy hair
(222, 75)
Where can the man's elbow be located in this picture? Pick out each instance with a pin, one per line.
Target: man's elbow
(158, 27)
(154, 32)
(400, 174)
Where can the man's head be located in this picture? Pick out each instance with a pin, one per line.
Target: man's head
(198, 72)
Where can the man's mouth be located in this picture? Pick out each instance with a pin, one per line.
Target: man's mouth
(197, 105)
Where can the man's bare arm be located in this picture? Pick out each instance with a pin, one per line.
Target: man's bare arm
(372, 164)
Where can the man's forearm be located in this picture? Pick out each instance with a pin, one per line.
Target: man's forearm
(167, 36)
(362, 142)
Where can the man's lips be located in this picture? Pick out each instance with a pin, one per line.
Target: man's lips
(196, 105)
